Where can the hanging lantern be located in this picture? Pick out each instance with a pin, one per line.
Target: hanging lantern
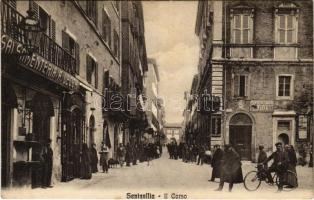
(32, 31)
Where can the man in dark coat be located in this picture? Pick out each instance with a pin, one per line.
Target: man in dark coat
(231, 168)
(128, 154)
(48, 162)
(86, 172)
(262, 156)
(279, 165)
(216, 162)
(94, 158)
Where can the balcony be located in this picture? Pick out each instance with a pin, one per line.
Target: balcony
(48, 48)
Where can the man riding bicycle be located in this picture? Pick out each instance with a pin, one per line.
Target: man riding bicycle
(279, 165)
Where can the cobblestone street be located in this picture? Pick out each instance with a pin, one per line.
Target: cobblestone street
(163, 176)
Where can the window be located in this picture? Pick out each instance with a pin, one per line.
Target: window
(286, 31)
(216, 126)
(91, 71)
(91, 10)
(106, 28)
(117, 5)
(116, 44)
(45, 20)
(284, 125)
(241, 85)
(241, 29)
(72, 47)
(284, 86)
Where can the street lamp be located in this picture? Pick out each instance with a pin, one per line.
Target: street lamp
(32, 30)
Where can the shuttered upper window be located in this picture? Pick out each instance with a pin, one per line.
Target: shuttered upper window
(72, 47)
(116, 44)
(286, 31)
(242, 29)
(45, 20)
(106, 28)
(91, 71)
(241, 85)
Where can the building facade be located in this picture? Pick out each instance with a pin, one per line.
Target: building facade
(134, 65)
(151, 85)
(259, 59)
(57, 91)
(173, 132)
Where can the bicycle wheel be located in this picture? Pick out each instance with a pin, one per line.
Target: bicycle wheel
(251, 181)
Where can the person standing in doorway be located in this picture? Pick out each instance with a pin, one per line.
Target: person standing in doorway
(94, 158)
(48, 163)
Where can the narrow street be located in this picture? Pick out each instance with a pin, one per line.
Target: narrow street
(162, 176)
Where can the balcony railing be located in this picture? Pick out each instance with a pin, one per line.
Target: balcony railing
(48, 48)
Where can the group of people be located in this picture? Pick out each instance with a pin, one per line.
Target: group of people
(226, 165)
(283, 160)
(189, 153)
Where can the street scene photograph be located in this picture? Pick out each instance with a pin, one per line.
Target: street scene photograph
(208, 99)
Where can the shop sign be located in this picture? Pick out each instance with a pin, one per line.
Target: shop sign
(261, 106)
(38, 64)
(302, 127)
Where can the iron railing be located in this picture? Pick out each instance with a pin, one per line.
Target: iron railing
(47, 47)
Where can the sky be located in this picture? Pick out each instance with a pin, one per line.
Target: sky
(171, 40)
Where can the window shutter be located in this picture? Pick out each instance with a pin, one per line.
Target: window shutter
(53, 29)
(77, 58)
(12, 3)
(236, 85)
(88, 69)
(65, 41)
(96, 74)
(247, 86)
(35, 8)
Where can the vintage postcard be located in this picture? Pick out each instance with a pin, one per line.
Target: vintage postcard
(209, 99)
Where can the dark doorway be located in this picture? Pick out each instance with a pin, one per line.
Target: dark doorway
(240, 130)
(73, 136)
(42, 109)
(283, 138)
(9, 101)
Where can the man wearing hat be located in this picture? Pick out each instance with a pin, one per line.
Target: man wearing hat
(216, 162)
(279, 165)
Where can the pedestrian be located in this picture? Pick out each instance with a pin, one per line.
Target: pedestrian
(86, 171)
(94, 158)
(311, 155)
(135, 154)
(279, 165)
(262, 156)
(216, 162)
(104, 159)
(48, 163)
(200, 154)
(292, 162)
(231, 168)
(128, 154)
(121, 154)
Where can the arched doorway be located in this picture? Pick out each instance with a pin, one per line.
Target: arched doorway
(283, 138)
(91, 130)
(240, 134)
(73, 135)
(8, 103)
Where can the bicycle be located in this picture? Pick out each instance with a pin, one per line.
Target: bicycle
(254, 178)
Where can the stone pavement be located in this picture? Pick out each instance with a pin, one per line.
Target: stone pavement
(163, 176)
